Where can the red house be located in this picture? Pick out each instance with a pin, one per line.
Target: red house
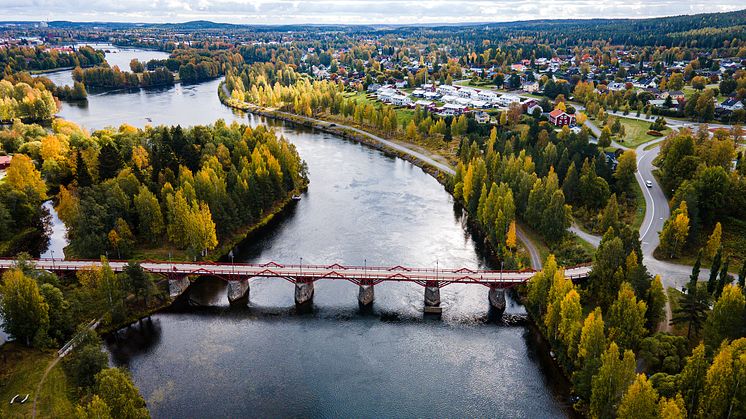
(561, 118)
(4, 162)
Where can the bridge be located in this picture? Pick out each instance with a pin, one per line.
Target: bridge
(304, 276)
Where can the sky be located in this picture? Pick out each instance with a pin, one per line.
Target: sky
(349, 11)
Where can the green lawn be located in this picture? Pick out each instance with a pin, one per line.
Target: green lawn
(636, 132)
(21, 370)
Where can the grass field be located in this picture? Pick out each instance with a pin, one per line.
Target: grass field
(21, 369)
(635, 132)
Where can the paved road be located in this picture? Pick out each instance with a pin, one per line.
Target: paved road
(533, 252)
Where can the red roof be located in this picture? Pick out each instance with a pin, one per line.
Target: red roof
(4, 160)
(555, 113)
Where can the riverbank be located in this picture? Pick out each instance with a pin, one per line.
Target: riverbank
(405, 151)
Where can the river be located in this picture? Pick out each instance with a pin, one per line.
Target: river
(207, 359)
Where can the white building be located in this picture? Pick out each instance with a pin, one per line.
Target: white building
(506, 99)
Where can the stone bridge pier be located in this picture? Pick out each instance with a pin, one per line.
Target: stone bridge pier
(432, 298)
(303, 291)
(178, 286)
(238, 291)
(365, 295)
(497, 299)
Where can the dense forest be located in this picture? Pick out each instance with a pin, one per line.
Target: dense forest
(18, 59)
(21, 101)
(119, 191)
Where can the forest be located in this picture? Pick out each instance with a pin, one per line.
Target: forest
(17, 59)
(24, 102)
(119, 192)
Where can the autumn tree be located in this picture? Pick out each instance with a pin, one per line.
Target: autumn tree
(726, 320)
(24, 312)
(713, 243)
(626, 319)
(640, 400)
(613, 378)
(675, 231)
(591, 346)
(116, 389)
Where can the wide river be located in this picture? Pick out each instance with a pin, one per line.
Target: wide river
(207, 359)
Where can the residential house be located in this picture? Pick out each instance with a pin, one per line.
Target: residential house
(561, 118)
(731, 104)
(506, 99)
(530, 86)
(482, 117)
(5, 162)
(452, 109)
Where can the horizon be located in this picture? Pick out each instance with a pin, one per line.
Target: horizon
(346, 13)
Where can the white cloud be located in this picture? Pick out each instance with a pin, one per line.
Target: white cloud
(347, 11)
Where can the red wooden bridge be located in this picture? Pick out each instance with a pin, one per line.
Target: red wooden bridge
(303, 276)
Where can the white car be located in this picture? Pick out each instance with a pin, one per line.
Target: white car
(649, 183)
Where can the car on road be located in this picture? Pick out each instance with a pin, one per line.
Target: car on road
(649, 183)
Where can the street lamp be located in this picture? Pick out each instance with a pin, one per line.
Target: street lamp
(301, 266)
(233, 269)
(52, 259)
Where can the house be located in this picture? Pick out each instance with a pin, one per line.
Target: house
(425, 104)
(506, 99)
(561, 118)
(400, 100)
(418, 92)
(452, 109)
(482, 117)
(530, 86)
(731, 104)
(487, 96)
(373, 87)
(401, 84)
(617, 87)
(661, 103)
(4, 162)
(532, 108)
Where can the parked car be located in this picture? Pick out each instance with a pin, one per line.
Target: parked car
(649, 183)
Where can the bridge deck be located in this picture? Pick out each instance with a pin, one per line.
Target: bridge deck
(299, 273)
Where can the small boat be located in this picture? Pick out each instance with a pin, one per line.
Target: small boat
(296, 197)
(14, 398)
(24, 399)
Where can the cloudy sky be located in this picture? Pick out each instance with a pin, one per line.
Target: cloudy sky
(348, 11)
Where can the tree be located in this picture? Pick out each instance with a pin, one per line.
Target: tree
(511, 240)
(713, 243)
(656, 301)
(116, 389)
(571, 316)
(671, 408)
(150, 218)
(604, 140)
(727, 317)
(23, 176)
(719, 384)
(626, 318)
(538, 287)
(675, 231)
(612, 380)
(609, 218)
(692, 379)
(725, 278)
(591, 347)
(640, 400)
(86, 361)
(24, 312)
(714, 270)
(95, 409)
(693, 305)
(625, 172)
